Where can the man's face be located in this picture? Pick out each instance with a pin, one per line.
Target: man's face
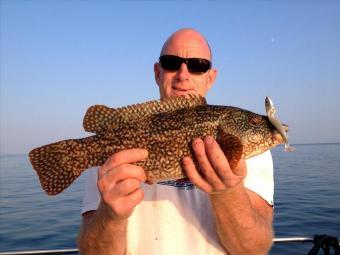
(182, 82)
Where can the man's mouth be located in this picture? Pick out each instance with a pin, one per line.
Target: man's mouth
(182, 92)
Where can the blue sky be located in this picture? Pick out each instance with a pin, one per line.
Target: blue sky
(60, 57)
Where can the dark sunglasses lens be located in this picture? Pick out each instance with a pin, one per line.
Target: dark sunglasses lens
(198, 65)
(195, 65)
(170, 63)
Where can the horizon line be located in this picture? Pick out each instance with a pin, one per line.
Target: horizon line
(312, 143)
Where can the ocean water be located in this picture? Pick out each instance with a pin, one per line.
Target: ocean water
(307, 202)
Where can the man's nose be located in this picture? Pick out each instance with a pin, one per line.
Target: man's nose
(183, 73)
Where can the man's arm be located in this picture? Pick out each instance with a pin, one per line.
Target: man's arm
(101, 235)
(243, 219)
(104, 231)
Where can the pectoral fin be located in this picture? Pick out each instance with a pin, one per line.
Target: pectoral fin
(232, 148)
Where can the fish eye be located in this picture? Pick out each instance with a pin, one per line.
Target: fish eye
(255, 120)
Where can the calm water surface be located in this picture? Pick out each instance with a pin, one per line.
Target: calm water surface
(307, 202)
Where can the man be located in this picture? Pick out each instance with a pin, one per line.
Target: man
(230, 211)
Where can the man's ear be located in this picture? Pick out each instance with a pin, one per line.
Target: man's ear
(211, 77)
(157, 72)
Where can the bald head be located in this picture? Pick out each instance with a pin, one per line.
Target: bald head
(187, 43)
(179, 80)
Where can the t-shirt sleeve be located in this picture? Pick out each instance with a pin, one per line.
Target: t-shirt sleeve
(260, 177)
(91, 195)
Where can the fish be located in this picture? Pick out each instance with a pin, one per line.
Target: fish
(271, 113)
(165, 128)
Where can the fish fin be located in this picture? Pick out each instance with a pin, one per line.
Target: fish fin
(59, 164)
(231, 146)
(99, 118)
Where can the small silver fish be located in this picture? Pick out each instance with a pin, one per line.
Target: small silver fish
(271, 111)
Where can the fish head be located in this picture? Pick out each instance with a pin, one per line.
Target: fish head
(269, 105)
(268, 102)
(256, 133)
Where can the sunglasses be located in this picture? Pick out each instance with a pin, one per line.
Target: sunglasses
(195, 65)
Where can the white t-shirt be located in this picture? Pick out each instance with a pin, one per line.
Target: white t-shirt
(176, 218)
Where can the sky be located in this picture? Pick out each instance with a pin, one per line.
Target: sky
(60, 57)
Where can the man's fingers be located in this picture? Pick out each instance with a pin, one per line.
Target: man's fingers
(205, 165)
(126, 187)
(133, 198)
(122, 172)
(124, 206)
(241, 168)
(217, 158)
(126, 156)
(194, 176)
(119, 181)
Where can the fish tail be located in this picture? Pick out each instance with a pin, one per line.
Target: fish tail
(59, 164)
(289, 148)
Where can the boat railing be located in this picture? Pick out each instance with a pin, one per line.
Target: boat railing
(321, 242)
(56, 251)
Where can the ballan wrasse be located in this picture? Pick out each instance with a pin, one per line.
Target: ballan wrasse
(165, 128)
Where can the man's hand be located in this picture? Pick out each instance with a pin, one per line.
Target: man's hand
(104, 231)
(243, 219)
(215, 174)
(119, 183)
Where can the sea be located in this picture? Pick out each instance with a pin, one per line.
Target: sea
(307, 202)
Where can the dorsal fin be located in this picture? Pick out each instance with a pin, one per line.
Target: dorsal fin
(99, 117)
